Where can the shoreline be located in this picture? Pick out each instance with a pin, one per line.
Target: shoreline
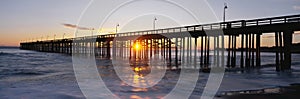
(290, 92)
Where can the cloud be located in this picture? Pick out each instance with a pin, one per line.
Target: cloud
(69, 25)
(75, 26)
(296, 7)
(101, 30)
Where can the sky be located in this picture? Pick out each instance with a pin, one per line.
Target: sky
(27, 20)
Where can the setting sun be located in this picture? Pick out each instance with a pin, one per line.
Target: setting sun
(137, 46)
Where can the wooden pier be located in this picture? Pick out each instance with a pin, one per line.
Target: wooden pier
(188, 45)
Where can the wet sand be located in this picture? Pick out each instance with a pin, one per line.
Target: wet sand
(284, 92)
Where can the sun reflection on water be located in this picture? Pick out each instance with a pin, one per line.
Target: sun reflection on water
(140, 80)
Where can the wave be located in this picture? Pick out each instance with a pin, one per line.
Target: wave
(6, 54)
(23, 72)
(29, 73)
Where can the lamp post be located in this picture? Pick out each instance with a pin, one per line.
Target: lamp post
(224, 13)
(92, 31)
(154, 22)
(47, 37)
(117, 28)
(64, 35)
(54, 37)
(76, 31)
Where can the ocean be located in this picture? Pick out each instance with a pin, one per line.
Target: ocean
(34, 75)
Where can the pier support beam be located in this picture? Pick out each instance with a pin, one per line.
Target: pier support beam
(201, 53)
(277, 52)
(280, 49)
(247, 51)
(108, 49)
(233, 63)
(242, 52)
(229, 50)
(195, 53)
(288, 38)
(258, 61)
(183, 51)
(252, 51)
(170, 51)
(207, 55)
(176, 53)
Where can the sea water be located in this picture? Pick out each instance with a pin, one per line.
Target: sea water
(35, 75)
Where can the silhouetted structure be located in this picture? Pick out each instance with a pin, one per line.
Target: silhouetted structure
(179, 41)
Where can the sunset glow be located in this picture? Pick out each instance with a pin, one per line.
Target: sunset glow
(149, 49)
(30, 20)
(137, 46)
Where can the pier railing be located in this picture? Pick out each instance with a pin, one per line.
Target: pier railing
(213, 26)
(217, 26)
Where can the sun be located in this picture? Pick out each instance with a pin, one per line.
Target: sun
(137, 46)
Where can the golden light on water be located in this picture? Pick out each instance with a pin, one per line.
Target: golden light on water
(137, 69)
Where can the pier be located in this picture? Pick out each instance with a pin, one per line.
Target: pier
(196, 46)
